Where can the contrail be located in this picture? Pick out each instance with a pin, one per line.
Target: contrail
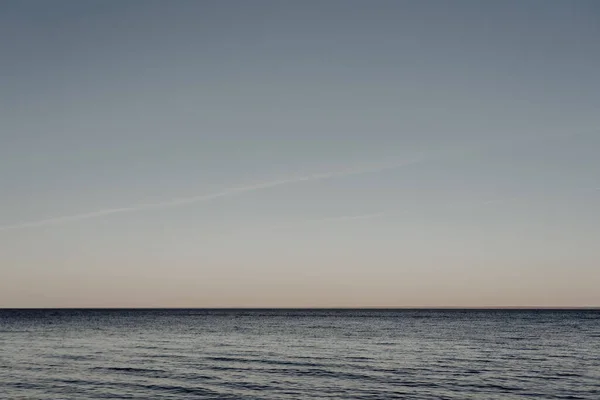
(382, 214)
(180, 201)
(522, 197)
(308, 222)
(342, 218)
(350, 217)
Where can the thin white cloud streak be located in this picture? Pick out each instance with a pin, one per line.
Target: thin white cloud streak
(342, 218)
(349, 217)
(180, 201)
(524, 197)
(396, 213)
(291, 225)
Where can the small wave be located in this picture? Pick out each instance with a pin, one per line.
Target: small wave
(568, 374)
(135, 371)
(261, 361)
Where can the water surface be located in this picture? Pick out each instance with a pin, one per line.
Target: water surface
(299, 354)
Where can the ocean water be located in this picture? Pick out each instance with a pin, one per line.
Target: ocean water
(299, 354)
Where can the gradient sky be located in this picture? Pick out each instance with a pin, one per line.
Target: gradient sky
(306, 153)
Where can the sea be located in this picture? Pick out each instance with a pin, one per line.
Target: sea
(299, 354)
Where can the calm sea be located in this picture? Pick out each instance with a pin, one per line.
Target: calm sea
(299, 354)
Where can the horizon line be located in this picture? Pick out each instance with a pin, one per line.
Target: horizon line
(318, 308)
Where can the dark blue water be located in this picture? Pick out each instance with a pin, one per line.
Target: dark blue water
(299, 354)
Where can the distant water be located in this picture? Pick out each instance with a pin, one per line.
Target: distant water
(299, 354)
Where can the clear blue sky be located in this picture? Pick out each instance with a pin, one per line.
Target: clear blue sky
(455, 147)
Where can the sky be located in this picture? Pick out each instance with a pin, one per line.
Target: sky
(299, 154)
